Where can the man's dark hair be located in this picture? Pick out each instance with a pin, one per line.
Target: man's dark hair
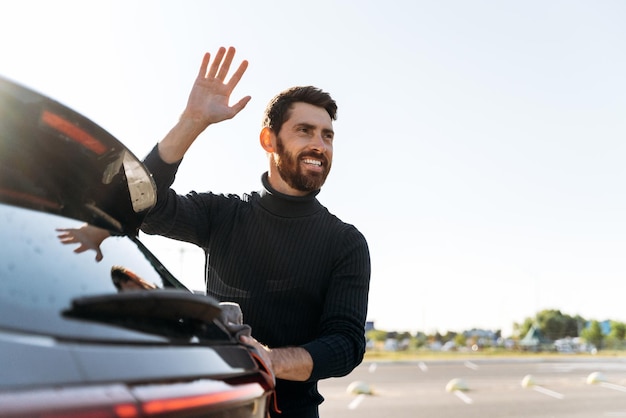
(279, 108)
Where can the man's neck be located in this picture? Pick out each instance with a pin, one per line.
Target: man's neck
(287, 206)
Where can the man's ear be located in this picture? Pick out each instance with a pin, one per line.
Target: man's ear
(267, 139)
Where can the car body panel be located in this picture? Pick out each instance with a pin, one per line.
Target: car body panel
(73, 166)
(38, 361)
(73, 340)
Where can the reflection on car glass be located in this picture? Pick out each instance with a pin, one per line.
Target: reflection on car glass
(124, 280)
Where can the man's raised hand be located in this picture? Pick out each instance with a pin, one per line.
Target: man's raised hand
(210, 95)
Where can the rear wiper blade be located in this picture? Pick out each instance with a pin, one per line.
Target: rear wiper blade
(175, 313)
(168, 278)
(103, 220)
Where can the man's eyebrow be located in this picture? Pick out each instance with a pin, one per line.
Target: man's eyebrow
(312, 126)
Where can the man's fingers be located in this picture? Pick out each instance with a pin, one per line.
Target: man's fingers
(223, 71)
(63, 233)
(67, 238)
(238, 107)
(221, 65)
(236, 77)
(205, 64)
(215, 65)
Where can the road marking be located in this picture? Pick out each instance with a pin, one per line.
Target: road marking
(549, 392)
(463, 397)
(356, 402)
(423, 367)
(372, 367)
(613, 386)
(471, 365)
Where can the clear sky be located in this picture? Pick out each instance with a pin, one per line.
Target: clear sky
(480, 145)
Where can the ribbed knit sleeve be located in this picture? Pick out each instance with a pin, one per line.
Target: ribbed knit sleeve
(341, 343)
(178, 217)
(163, 175)
(162, 172)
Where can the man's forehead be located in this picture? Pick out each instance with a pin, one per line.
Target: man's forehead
(301, 112)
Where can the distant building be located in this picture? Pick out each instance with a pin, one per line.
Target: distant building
(482, 337)
(535, 341)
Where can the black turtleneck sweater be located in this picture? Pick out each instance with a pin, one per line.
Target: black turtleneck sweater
(300, 275)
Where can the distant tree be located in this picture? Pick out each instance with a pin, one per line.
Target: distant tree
(615, 339)
(555, 325)
(552, 323)
(460, 340)
(420, 339)
(376, 335)
(593, 334)
(403, 336)
(618, 330)
(523, 328)
(421, 335)
(449, 336)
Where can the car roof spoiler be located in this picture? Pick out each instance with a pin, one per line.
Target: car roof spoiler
(57, 160)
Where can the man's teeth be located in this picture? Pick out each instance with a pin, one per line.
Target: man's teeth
(314, 162)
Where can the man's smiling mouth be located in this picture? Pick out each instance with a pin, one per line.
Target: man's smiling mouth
(311, 161)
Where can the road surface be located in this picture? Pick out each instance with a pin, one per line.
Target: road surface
(566, 387)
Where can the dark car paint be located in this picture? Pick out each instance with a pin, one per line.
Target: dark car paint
(65, 329)
(65, 163)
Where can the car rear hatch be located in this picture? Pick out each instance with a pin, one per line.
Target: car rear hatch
(56, 160)
(65, 330)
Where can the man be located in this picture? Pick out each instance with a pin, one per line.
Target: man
(300, 275)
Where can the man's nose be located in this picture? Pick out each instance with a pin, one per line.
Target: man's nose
(318, 143)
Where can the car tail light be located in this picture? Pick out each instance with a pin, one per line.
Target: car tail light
(17, 196)
(73, 132)
(206, 398)
(201, 396)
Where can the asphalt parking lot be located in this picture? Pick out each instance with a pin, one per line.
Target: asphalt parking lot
(539, 388)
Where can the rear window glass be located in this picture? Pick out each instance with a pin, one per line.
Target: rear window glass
(38, 272)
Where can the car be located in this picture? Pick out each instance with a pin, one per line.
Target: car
(122, 337)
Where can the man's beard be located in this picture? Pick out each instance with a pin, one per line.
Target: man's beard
(292, 173)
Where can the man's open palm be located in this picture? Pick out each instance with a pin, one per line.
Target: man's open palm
(210, 95)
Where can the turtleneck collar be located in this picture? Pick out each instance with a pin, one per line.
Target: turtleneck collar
(287, 206)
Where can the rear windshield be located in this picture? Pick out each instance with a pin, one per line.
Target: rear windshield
(41, 276)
